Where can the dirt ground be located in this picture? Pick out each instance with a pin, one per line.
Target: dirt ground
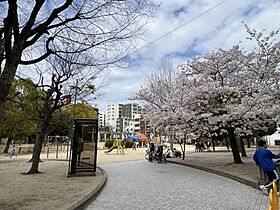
(50, 189)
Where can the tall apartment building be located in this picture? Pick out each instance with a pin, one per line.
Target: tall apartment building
(141, 125)
(127, 119)
(101, 119)
(113, 113)
(131, 110)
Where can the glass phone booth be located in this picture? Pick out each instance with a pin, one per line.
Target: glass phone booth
(84, 147)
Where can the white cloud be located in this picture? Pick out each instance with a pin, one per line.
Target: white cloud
(199, 33)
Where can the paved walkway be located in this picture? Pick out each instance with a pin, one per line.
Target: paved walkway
(145, 185)
(127, 183)
(221, 163)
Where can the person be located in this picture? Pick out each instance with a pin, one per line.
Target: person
(151, 151)
(152, 147)
(13, 151)
(169, 153)
(263, 157)
(196, 146)
(177, 153)
(134, 146)
(80, 149)
(201, 146)
(159, 152)
(227, 145)
(208, 144)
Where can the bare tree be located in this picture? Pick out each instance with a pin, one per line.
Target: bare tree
(56, 93)
(102, 32)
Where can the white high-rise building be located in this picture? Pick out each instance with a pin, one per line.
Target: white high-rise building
(125, 118)
(101, 119)
(113, 114)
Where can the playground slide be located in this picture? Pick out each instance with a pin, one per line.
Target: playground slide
(111, 148)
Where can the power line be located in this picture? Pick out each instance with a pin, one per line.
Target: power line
(170, 32)
(180, 26)
(18, 75)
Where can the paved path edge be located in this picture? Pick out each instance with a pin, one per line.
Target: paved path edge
(220, 173)
(82, 204)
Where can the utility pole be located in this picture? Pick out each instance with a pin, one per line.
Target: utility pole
(73, 122)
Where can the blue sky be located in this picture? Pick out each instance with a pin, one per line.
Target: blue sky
(199, 27)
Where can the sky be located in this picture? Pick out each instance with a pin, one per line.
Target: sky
(182, 29)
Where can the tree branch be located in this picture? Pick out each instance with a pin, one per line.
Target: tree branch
(42, 28)
(44, 56)
(32, 18)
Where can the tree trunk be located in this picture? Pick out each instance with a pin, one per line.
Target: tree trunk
(228, 143)
(184, 151)
(6, 150)
(40, 135)
(180, 142)
(171, 141)
(242, 148)
(234, 147)
(248, 142)
(6, 80)
(213, 144)
(181, 146)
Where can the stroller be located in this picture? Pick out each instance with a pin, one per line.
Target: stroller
(156, 155)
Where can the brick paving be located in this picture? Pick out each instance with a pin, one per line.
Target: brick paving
(221, 162)
(145, 185)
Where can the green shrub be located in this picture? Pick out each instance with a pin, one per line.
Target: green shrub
(128, 144)
(109, 143)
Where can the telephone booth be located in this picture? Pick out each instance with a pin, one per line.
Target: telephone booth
(84, 147)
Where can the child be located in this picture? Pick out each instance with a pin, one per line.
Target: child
(263, 157)
(13, 152)
(133, 146)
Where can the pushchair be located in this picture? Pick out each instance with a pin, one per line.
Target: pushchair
(156, 155)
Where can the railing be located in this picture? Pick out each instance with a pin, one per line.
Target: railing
(56, 151)
(273, 197)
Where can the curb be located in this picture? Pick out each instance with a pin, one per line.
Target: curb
(82, 204)
(220, 173)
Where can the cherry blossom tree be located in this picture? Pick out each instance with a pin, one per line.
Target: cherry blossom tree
(225, 92)
(239, 89)
(155, 94)
(167, 101)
